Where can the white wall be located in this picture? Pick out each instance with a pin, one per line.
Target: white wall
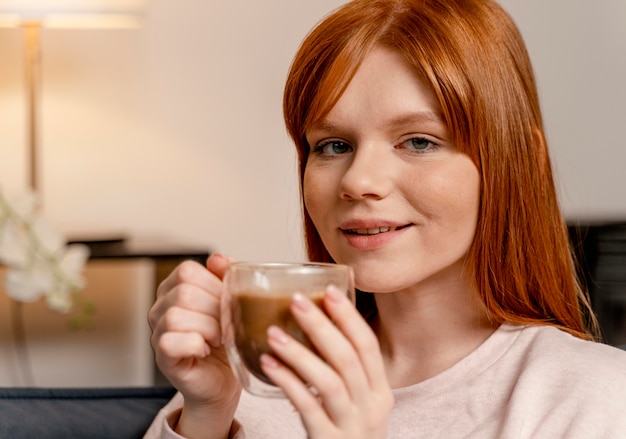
(175, 130)
(579, 52)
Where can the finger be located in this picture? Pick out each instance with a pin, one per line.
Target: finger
(218, 264)
(314, 417)
(333, 346)
(311, 370)
(172, 347)
(187, 272)
(359, 334)
(186, 321)
(204, 300)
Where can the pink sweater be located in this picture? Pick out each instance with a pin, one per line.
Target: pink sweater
(522, 382)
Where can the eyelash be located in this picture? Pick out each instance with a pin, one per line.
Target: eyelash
(321, 147)
(431, 144)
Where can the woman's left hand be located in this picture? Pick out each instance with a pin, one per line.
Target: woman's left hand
(345, 396)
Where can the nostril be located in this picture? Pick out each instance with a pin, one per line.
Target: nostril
(359, 196)
(367, 176)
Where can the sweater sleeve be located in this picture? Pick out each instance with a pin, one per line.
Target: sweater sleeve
(165, 422)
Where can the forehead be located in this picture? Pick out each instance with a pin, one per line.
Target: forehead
(384, 88)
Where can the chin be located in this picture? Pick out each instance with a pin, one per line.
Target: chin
(372, 283)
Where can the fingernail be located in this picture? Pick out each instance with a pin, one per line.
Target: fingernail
(335, 294)
(277, 334)
(301, 302)
(269, 361)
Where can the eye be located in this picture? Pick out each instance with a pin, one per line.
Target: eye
(419, 144)
(332, 147)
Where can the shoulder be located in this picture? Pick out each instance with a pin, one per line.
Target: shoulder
(552, 344)
(547, 355)
(574, 388)
(563, 365)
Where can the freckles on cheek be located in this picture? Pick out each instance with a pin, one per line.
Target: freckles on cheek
(456, 195)
(311, 194)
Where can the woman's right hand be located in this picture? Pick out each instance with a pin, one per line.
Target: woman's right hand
(186, 339)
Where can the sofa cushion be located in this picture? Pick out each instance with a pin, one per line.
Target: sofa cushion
(79, 412)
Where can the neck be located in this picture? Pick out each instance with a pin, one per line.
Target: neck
(426, 329)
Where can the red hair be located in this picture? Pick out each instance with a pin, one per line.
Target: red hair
(473, 56)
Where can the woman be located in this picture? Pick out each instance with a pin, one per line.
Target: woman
(424, 166)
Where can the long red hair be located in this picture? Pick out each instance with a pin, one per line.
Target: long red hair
(473, 56)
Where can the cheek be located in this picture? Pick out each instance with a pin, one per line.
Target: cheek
(465, 199)
(470, 185)
(313, 194)
(453, 197)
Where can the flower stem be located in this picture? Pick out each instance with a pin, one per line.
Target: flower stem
(20, 343)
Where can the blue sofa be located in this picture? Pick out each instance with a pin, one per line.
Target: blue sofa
(96, 413)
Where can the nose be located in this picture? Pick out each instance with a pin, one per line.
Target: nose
(369, 174)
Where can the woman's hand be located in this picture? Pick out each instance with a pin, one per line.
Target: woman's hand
(186, 339)
(345, 396)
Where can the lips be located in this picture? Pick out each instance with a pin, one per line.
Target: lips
(371, 231)
(367, 235)
(371, 227)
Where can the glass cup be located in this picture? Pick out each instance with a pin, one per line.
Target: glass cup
(257, 296)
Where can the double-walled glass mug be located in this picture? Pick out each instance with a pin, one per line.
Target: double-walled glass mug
(257, 296)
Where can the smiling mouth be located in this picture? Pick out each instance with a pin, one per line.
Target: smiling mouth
(373, 230)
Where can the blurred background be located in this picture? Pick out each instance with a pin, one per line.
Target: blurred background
(173, 131)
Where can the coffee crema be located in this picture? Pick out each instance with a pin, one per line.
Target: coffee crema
(253, 314)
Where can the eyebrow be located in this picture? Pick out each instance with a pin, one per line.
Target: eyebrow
(404, 119)
(420, 116)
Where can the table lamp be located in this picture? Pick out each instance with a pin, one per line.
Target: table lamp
(33, 16)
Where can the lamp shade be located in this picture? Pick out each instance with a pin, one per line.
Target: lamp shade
(71, 13)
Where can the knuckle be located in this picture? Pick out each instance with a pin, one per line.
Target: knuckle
(172, 318)
(334, 386)
(186, 270)
(348, 361)
(161, 345)
(154, 342)
(153, 317)
(184, 294)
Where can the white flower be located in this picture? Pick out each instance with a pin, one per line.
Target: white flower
(38, 260)
(28, 285)
(13, 252)
(59, 301)
(47, 236)
(72, 262)
(25, 205)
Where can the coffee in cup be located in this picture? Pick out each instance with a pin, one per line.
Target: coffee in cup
(257, 296)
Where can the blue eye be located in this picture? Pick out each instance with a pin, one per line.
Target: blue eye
(419, 144)
(332, 147)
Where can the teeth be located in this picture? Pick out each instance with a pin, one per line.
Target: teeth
(373, 231)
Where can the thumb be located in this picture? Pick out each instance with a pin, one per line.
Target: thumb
(217, 264)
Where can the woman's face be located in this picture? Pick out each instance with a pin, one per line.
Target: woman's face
(385, 186)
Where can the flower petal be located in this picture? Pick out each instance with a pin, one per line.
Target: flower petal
(74, 259)
(49, 238)
(25, 285)
(25, 205)
(13, 246)
(59, 301)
